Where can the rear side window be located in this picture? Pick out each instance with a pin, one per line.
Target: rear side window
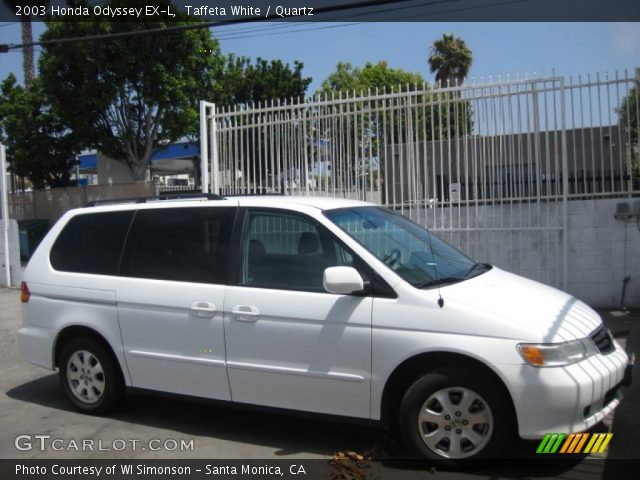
(91, 243)
(180, 244)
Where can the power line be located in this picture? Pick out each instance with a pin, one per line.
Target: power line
(269, 34)
(239, 34)
(248, 33)
(287, 28)
(194, 26)
(268, 29)
(352, 15)
(474, 7)
(234, 34)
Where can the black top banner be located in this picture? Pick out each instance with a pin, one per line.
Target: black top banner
(327, 10)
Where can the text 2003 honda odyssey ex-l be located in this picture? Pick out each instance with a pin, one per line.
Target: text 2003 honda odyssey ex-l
(323, 305)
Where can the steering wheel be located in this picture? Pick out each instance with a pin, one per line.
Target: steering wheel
(392, 257)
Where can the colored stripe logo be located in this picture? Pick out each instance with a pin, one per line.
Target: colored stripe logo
(574, 443)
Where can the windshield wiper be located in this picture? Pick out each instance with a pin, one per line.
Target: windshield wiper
(479, 268)
(439, 281)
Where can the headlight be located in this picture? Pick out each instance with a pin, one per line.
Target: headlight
(557, 354)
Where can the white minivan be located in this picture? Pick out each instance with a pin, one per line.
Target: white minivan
(321, 305)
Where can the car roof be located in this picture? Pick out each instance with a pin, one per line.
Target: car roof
(321, 203)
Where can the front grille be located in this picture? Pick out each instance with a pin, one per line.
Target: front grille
(603, 340)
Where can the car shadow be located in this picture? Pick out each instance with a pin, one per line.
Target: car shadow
(196, 417)
(289, 435)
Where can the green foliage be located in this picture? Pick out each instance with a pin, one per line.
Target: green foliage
(434, 119)
(347, 79)
(450, 59)
(129, 97)
(628, 113)
(39, 147)
(380, 124)
(379, 78)
(244, 82)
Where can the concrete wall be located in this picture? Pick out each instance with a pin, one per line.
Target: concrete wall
(602, 250)
(111, 172)
(525, 239)
(52, 204)
(14, 256)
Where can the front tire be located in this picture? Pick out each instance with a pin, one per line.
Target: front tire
(449, 415)
(90, 376)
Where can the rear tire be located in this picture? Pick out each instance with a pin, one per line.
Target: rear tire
(450, 415)
(90, 376)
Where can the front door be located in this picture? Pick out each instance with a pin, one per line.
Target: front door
(290, 344)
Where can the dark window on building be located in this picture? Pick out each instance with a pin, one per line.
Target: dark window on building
(180, 244)
(91, 243)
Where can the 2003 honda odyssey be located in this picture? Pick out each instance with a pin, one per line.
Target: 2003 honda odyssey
(323, 305)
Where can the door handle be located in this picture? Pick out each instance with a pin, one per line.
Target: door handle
(203, 309)
(245, 313)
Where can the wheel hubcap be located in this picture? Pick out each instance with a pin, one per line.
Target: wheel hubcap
(455, 422)
(85, 377)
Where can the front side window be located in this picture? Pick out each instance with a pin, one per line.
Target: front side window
(418, 256)
(180, 244)
(91, 243)
(288, 251)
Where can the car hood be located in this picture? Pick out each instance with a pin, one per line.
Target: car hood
(523, 307)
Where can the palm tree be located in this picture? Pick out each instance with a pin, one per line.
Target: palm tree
(27, 52)
(28, 65)
(450, 59)
(27, 39)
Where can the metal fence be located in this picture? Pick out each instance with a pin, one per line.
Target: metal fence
(483, 164)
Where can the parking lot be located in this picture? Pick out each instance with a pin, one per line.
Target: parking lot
(152, 427)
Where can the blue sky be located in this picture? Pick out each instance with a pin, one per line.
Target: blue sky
(498, 48)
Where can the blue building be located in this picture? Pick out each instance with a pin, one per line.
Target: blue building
(177, 164)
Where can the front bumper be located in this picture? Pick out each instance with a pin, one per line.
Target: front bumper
(566, 399)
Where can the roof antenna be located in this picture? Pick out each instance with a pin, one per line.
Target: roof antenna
(434, 264)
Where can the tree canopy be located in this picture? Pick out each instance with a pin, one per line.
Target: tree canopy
(628, 113)
(347, 78)
(131, 96)
(127, 97)
(450, 59)
(245, 82)
(39, 146)
(454, 117)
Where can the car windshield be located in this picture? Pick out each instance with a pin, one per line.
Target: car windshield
(418, 256)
